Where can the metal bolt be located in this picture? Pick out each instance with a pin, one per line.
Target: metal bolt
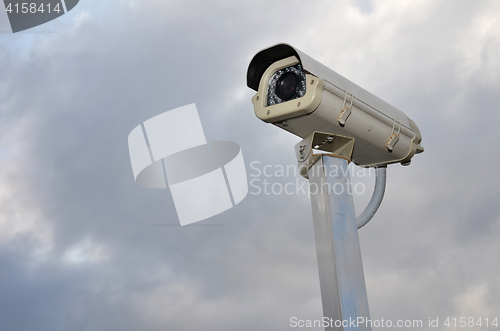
(302, 148)
(302, 155)
(257, 98)
(312, 81)
(298, 104)
(330, 139)
(268, 112)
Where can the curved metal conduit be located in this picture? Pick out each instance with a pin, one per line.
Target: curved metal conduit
(376, 200)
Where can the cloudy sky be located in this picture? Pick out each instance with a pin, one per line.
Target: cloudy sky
(83, 247)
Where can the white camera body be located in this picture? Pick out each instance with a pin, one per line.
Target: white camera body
(325, 101)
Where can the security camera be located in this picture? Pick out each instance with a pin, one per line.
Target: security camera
(302, 96)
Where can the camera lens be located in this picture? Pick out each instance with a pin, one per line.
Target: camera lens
(287, 86)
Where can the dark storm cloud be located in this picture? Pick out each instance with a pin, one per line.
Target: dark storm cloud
(84, 99)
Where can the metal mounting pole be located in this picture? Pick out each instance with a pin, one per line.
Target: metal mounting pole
(342, 281)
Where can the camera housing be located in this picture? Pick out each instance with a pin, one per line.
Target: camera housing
(302, 96)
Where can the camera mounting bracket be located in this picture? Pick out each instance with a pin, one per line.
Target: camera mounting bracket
(310, 149)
